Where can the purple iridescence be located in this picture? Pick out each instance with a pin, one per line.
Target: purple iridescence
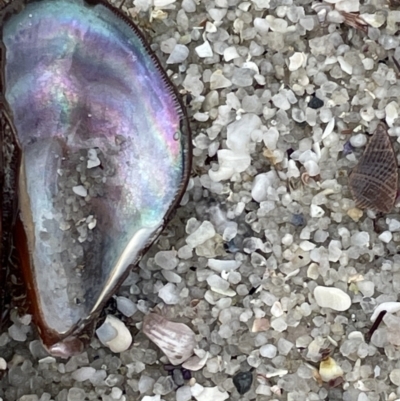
(103, 152)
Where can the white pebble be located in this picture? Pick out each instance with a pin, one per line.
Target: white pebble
(126, 306)
(208, 393)
(84, 373)
(316, 211)
(80, 190)
(280, 100)
(202, 234)
(307, 245)
(167, 260)
(93, 160)
(114, 334)
(287, 239)
(376, 20)
(329, 128)
(393, 224)
(348, 6)
(262, 183)
(386, 237)
(358, 140)
(268, 351)
(335, 250)
(223, 265)
(178, 55)
(204, 50)
(360, 239)
(219, 81)
(367, 113)
(276, 309)
(183, 394)
(395, 376)
(344, 65)
(366, 287)
(189, 6)
(392, 113)
(279, 324)
(230, 53)
(297, 60)
(169, 293)
(270, 138)
(331, 297)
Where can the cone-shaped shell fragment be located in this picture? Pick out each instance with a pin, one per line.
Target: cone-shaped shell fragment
(374, 181)
(105, 155)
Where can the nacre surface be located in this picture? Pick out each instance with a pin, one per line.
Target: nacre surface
(105, 155)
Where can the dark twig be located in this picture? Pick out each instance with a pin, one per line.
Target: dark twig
(375, 326)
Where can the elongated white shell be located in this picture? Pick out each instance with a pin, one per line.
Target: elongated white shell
(176, 340)
(331, 297)
(114, 334)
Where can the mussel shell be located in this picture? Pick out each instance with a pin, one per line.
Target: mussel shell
(105, 155)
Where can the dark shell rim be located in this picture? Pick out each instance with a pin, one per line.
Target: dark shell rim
(84, 328)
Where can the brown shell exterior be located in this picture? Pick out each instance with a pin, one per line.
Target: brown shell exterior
(374, 181)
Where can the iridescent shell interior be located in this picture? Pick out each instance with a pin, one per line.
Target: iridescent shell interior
(105, 150)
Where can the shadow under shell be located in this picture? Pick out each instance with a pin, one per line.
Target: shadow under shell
(105, 155)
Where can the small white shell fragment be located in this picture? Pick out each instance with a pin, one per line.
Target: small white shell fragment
(329, 128)
(331, 297)
(358, 140)
(80, 190)
(178, 55)
(3, 364)
(329, 370)
(219, 81)
(204, 50)
(196, 362)
(223, 265)
(208, 393)
(276, 309)
(392, 113)
(307, 245)
(126, 306)
(210, 27)
(114, 334)
(163, 3)
(276, 372)
(386, 237)
(26, 319)
(366, 287)
(344, 65)
(348, 6)
(316, 211)
(356, 335)
(376, 20)
(312, 168)
(297, 60)
(395, 376)
(205, 232)
(176, 340)
(230, 53)
(390, 307)
(93, 160)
